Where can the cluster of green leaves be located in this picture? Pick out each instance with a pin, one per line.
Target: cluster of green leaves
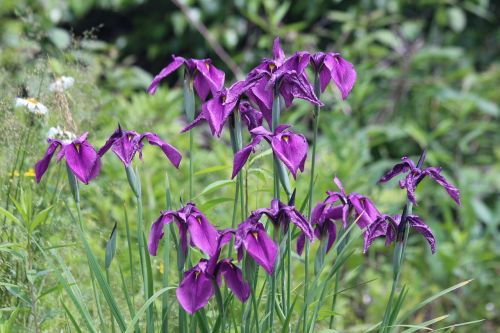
(427, 77)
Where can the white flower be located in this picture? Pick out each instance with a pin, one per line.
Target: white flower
(62, 83)
(60, 134)
(32, 105)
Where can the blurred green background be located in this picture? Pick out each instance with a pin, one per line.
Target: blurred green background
(428, 76)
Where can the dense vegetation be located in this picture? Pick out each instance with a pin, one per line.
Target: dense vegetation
(428, 73)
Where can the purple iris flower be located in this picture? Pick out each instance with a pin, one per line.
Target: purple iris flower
(275, 76)
(206, 77)
(291, 148)
(323, 219)
(365, 211)
(250, 116)
(387, 226)
(81, 158)
(251, 236)
(281, 215)
(203, 234)
(415, 176)
(329, 66)
(198, 284)
(125, 144)
(217, 110)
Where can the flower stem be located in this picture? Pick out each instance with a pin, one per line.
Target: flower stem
(135, 184)
(189, 108)
(399, 253)
(317, 109)
(166, 262)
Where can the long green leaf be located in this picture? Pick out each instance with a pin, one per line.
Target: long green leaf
(144, 307)
(423, 326)
(420, 305)
(71, 318)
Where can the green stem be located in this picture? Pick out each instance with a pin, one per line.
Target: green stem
(166, 262)
(189, 108)
(399, 253)
(135, 185)
(317, 110)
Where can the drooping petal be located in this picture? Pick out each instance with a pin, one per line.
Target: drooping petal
(301, 241)
(250, 116)
(208, 78)
(263, 98)
(435, 173)
(173, 66)
(118, 133)
(81, 158)
(126, 146)
(170, 151)
(403, 167)
(300, 221)
(261, 248)
(366, 212)
(343, 73)
(291, 149)
(377, 229)
(296, 85)
(234, 279)
(156, 233)
(419, 225)
(203, 234)
(42, 165)
(298, 62)
(332, 234)
(241, 157)
(195, 290)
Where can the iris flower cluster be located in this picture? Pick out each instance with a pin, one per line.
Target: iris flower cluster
(276, 77)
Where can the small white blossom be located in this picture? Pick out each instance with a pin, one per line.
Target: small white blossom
(32, 105)
(60, 134)
(62, 83)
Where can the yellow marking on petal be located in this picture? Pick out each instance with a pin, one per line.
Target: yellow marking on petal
(207, 64)
(286, 138)
(196, 274)
(30, 173)
(32, 100)
(77, 147)
(198, 218)
(255, 235)
(272, 67)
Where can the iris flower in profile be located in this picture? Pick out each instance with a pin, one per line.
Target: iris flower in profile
(416, 175)
(364, 209)
(274, 76)
(323, 219)
(330, 67)
(387, 226)
(291, 148)
(281, 215)
(189, 219)
(251, 237)
(125, 144)
(206, 77)
(81, 158)
(198, 284)
(224, 102)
